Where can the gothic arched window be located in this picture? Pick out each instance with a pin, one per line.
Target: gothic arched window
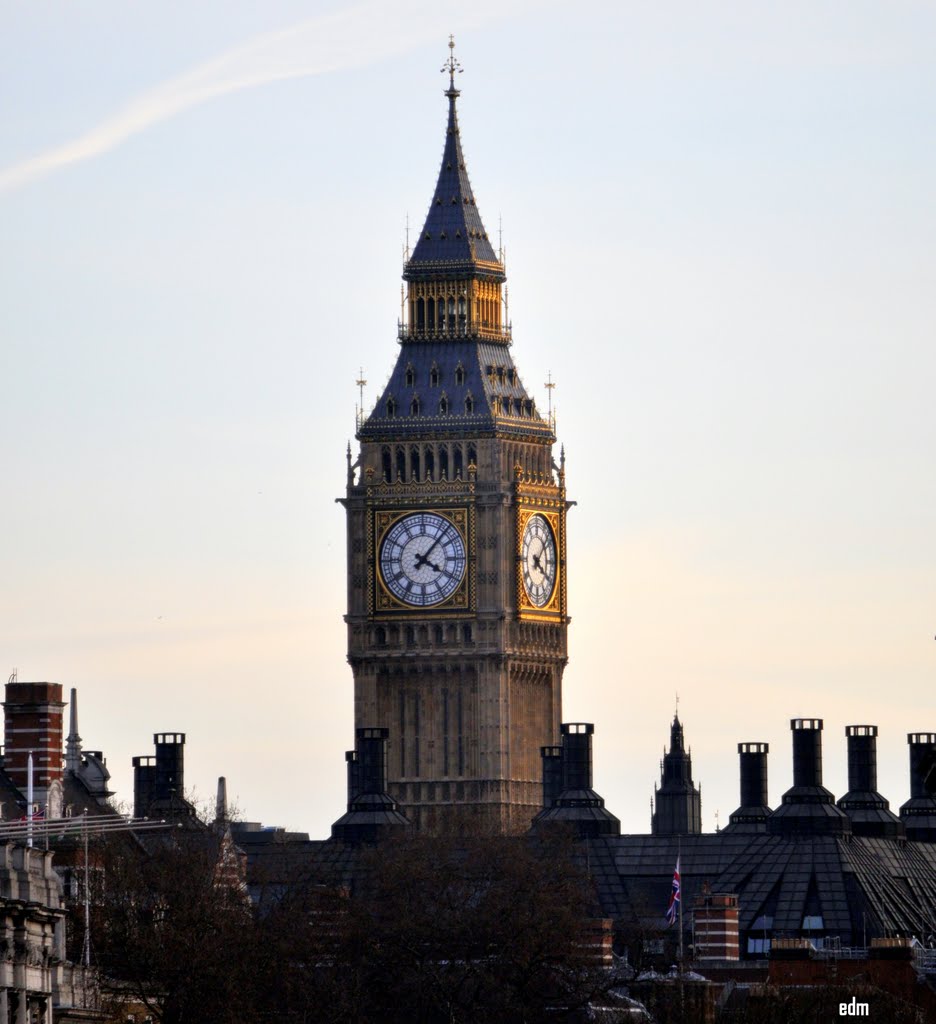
(459, 375)
(410, 376)
(443, 406)
(469, 404)
(434, 374)
(414, 406)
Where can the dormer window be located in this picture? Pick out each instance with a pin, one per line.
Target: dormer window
(414, 406)
(434, 376)
(443, 405)
(391, 408)
(459, 375)
(410, 376)
(469, 404)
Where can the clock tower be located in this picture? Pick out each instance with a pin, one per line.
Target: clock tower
(456, 516)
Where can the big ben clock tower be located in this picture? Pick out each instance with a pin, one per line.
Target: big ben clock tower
(456, 519)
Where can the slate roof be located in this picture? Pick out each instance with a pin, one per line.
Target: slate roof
(500, 401)
(848, 882)
(453, 239)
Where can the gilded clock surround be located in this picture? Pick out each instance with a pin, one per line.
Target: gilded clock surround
(387, 602)
(525, 605)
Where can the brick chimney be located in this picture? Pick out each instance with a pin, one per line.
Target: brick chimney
(33, 722)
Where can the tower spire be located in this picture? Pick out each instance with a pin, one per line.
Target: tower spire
(453, 241)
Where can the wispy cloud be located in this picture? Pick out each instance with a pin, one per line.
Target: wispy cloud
(352, 37)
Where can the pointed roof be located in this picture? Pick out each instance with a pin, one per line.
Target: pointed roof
(677, 744)
(453, 239)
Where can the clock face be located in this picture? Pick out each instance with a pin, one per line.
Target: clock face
(422, 559)
(538, 558)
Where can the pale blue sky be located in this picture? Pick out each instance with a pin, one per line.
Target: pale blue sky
(720, 224)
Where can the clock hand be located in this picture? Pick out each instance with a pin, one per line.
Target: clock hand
(536, 564)
(423, 559)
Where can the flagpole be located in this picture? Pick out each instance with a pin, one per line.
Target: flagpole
(679, 862)
(29, 798)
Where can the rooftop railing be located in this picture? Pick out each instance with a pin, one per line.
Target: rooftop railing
(446, 332)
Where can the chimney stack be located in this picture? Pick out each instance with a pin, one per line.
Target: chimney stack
(753, 812)
(577, 806)
(144, 782)
(552, 775)
(33, 723)
(807, 752)
(919, 813)
(808, 808)
(170, 765)
(869, 812)
(577, 755)
(371, 813)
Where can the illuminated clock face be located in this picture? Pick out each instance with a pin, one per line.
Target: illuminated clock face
(422, 559)
(538, 557)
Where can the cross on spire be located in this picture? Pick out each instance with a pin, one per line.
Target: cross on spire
(452, 64)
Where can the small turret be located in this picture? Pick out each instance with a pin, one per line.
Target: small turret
(678, 801)
(868, 811)
(919, 813)
(372, 814)
(577, 804)
(808, 808)
(752, 815)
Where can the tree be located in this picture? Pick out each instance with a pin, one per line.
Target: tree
(454, 930)
(173, 927)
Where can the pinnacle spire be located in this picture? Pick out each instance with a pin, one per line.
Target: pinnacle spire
(73, 740)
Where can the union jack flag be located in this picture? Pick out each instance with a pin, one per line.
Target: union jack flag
(672, 911)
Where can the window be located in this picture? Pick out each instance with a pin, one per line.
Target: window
(434, 374)
(414, 406)
(443, 406)
(381, 636)
(467, 636)
(410, 376)
(438, 634)
(410, 636)
(459, 375)
(387, 465)
(469, 404)
(391, 408)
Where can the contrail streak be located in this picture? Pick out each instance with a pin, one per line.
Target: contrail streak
(350, 38)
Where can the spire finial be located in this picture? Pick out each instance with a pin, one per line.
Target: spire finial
(359, 412)
(452, 64)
